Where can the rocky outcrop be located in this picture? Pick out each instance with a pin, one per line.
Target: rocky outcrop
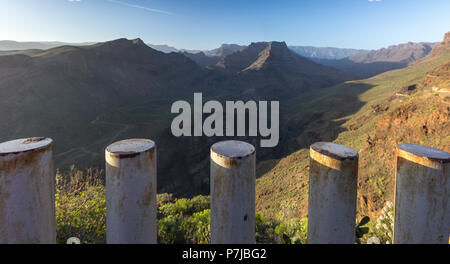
(438, 79)
(446, 38)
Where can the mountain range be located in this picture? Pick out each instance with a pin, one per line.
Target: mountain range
(358, 63)
(328, 53)
(6, 45)
(370, 63)
(123, 88)
(86, 97)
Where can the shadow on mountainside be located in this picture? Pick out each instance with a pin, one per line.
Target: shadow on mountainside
(283, 183)
(183, 163)
(317, 119)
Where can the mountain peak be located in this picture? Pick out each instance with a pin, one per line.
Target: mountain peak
(138, 41)
(123, 43)
(254, 56)
(273, 51)
(280, 44)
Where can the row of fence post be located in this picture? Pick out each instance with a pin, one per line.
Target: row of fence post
(27, 193)
(422, 191)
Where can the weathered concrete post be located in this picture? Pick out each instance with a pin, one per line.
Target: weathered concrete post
(422, 191)
(27, 192)
(233, 166)
(333, 176)
(131, 192)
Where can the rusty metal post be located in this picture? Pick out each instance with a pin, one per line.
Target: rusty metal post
(131, 192)
(422, 191)
(233, 179)
(333, 176)
(27, 192)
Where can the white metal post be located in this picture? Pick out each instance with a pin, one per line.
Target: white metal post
(333, 176)
(131, 192)
(422, 191)
(27, 192)
(233, 193)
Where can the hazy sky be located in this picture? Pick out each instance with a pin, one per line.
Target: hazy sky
(205, 24)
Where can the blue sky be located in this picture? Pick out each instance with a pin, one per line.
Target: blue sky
(205, 24)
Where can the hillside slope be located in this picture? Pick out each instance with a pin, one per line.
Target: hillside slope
(87, 97)
(372, 116)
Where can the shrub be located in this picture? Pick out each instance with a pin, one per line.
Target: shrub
(265, 229)
(170, 230)
(198, 228)
(184, 221)
(293, 231)
(80, 206)
(185, 206)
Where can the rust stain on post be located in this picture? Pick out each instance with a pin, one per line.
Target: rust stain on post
(422, 190)
(233, 192)
(131, 192)
(333, 179)
(27, 191)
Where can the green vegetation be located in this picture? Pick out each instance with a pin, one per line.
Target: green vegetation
(379, 183)
(80, 206)
(81, 213)
(182, 221)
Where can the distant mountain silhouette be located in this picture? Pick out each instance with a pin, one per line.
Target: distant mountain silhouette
(15, 52)
(201, 59)
(163, 48)
(168, 49)
(224, 50)
(211, 57)
(366, 64)
(328, 53)
(7, 45)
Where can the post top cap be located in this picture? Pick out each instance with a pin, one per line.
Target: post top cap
(335, 151)
(130, 147)
(24, 145)
(233, 149)
(426, 152)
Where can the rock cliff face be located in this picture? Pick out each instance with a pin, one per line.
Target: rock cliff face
(446, 38)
